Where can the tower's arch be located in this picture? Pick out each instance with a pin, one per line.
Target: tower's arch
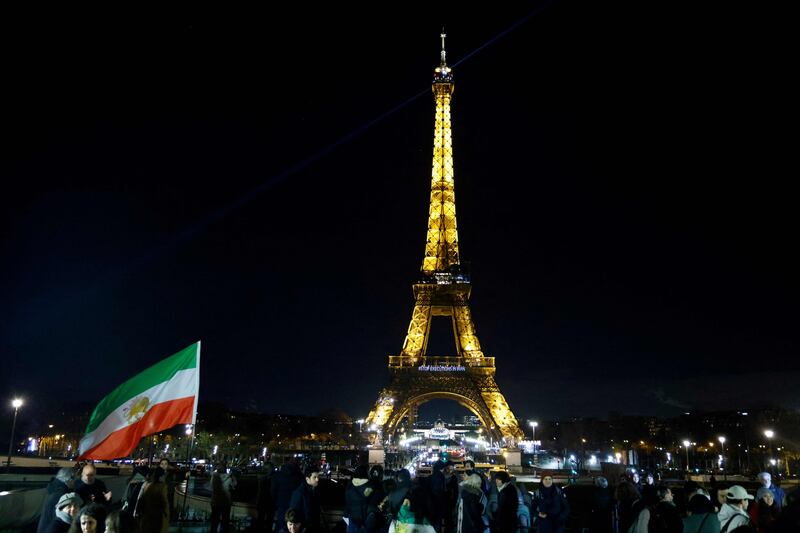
(405, 411)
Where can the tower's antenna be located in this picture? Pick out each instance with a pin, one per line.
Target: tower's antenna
(444, 54)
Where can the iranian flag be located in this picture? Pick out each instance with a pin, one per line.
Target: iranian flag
(159, 398)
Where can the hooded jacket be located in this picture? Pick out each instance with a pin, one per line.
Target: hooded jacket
(356, 499)
(731, 517)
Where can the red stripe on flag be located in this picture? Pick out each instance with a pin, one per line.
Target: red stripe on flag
(160, 417)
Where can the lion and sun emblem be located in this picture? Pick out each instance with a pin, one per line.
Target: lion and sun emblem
(137, 409)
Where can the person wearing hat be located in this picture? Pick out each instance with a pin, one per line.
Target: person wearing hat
(764, 512)
(356, 498)
(66, 510)
(765, 478)
(734, 513)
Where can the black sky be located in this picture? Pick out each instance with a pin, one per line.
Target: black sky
(624, 187)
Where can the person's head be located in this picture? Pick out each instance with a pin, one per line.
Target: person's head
(312, 475)
(601, 482)
(501, 478)
(722, 496)
(473, 481)
(765, 495)
(738, 497)
(164, 463)
(70, 503)
(88, 474)
(360, 472)
(635, 477)
(141, 470)
(403, 476)
(91, 518)
(221, 467)
(120, 522)
(699, 504)
(376, 473)
(664, 494)
(765, 478)
(649, 479)
(294, 520)
(469, 464)
(155, 475)
(65, 476)
(547, 481)
(449, 468)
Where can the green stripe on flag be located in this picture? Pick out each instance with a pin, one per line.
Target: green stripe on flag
(158, 373)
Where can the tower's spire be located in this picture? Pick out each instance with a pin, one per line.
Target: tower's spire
(441, 245)
(444, 53)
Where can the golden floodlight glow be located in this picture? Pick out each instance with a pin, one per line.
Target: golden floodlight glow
(441, 247)
(466, 376)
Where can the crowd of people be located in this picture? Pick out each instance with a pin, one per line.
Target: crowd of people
(447, 501)
(77, 501)
(636, 506)
(288, 500)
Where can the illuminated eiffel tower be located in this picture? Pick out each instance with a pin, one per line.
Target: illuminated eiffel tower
(442, 290)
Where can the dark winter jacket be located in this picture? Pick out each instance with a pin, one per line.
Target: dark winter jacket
(552, 502)
(376, 522)
(283, 486)
(57, 526)
(307, 500)
(665, 518)
(701, 523)
(356, 500)
(505, 517)
(397, 496)
(469, 511)
(602, 509)
(91, 493)
(55, 490)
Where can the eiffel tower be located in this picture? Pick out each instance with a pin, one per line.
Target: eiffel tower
(443, 289)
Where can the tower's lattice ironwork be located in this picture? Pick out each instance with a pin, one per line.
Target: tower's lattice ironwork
(442, 290)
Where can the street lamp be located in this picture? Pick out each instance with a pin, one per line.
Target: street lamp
(190, 437)
(359, 422)
(686, 445)
(16, 403)
(533, 436)
(721, 440)
(769, 434)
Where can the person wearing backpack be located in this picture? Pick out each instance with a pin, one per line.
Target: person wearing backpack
(550, 506)
(523, 509)
(134, 486)
(734, 513)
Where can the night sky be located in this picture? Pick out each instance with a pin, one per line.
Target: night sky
(260, 181)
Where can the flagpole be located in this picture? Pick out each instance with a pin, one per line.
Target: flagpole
(196, 387)
(194, 431)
